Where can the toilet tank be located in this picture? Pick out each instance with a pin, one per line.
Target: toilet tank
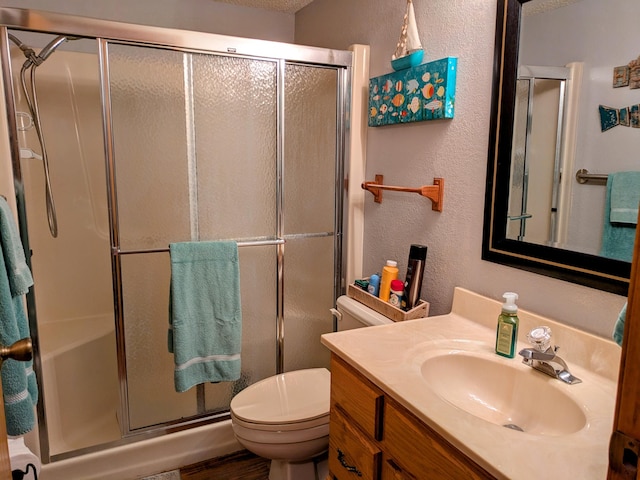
(353, 314)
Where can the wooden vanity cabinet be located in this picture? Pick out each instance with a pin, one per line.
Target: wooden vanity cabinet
(372, 437)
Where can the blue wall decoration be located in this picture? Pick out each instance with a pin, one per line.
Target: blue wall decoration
(424, 92)
(626, 116)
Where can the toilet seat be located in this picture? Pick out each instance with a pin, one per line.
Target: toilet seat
(283, 427)
(289, 401)
(275, 435)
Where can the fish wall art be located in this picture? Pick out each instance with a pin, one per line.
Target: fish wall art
(423, 92)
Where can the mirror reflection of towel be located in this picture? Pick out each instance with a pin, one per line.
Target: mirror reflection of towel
(618, 329)
(625, 196)
(621, 215)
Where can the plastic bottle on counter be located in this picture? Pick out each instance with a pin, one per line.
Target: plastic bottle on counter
(413, 279)
(507, 331)
(374, 285)
(389, 273)
(397, 291)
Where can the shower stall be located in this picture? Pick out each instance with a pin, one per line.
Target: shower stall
(546, 107)
(153, 136)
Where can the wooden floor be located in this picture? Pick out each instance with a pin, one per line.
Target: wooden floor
(241, 465)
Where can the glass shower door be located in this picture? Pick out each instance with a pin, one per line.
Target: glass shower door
(311, 168)
(195, 159)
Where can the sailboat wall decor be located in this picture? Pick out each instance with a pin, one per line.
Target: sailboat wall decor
(409, 51)
(417, 92)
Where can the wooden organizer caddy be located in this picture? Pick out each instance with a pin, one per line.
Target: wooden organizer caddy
(421, 310)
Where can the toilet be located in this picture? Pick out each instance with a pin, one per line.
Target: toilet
(285, 418)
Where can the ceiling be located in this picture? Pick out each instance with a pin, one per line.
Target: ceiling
(286, 6)
(292, 6)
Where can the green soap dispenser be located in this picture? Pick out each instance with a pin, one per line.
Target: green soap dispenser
(507, 331)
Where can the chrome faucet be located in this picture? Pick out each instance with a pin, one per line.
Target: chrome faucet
(543, 356)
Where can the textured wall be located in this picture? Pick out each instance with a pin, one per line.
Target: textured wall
(406, 154)
(413, 154)
(198, 15)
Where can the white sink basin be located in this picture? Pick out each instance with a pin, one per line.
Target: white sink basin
(513, 396)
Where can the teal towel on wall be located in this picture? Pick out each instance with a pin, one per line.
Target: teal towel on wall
(205, 333)
(18, 380)
(620, 216)
(618, 329)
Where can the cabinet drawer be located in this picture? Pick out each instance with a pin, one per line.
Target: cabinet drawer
(418, 449)
(351, 454)
(357, 396)
(392, 471)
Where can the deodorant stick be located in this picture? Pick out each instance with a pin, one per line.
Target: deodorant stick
(413, 279)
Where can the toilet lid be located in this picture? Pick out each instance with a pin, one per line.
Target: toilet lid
(291, 397)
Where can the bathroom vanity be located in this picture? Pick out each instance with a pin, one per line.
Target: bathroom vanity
(409, 449)
(429, 398)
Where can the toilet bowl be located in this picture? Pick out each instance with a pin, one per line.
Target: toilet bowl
(285, 418)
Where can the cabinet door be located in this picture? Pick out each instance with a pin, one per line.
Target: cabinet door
(351, 454)
(421, 451)
(357, 396)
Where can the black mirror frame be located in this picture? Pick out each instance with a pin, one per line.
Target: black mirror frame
(584, 269)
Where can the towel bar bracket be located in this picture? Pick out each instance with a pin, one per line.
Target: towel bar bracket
(583, 176)
(434, 192)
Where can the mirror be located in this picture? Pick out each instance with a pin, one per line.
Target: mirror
(553, 68)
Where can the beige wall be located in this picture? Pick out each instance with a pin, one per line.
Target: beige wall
(413, 154)
(199, 15)
(407, 155)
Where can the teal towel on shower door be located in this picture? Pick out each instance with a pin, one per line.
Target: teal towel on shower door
(620, 215)
(20, 392)
(205, 333)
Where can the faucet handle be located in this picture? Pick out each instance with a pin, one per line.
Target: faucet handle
(540, 338)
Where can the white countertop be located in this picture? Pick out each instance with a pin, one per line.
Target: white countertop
(391, 357)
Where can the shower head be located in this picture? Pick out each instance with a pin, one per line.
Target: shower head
(32, 58)
(51, 47)
(37, 60)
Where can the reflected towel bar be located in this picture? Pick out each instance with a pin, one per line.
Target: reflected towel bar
(583, 176)
(434, 192)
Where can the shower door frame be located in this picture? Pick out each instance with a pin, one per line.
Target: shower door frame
(105, 32)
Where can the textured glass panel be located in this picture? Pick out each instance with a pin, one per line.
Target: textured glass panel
(518, 161)
(72, 273)
(235, 129)
(310, 148)
(150, 144)
(258, 291)
(152, 396)
(71, 116)
(308, 297)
